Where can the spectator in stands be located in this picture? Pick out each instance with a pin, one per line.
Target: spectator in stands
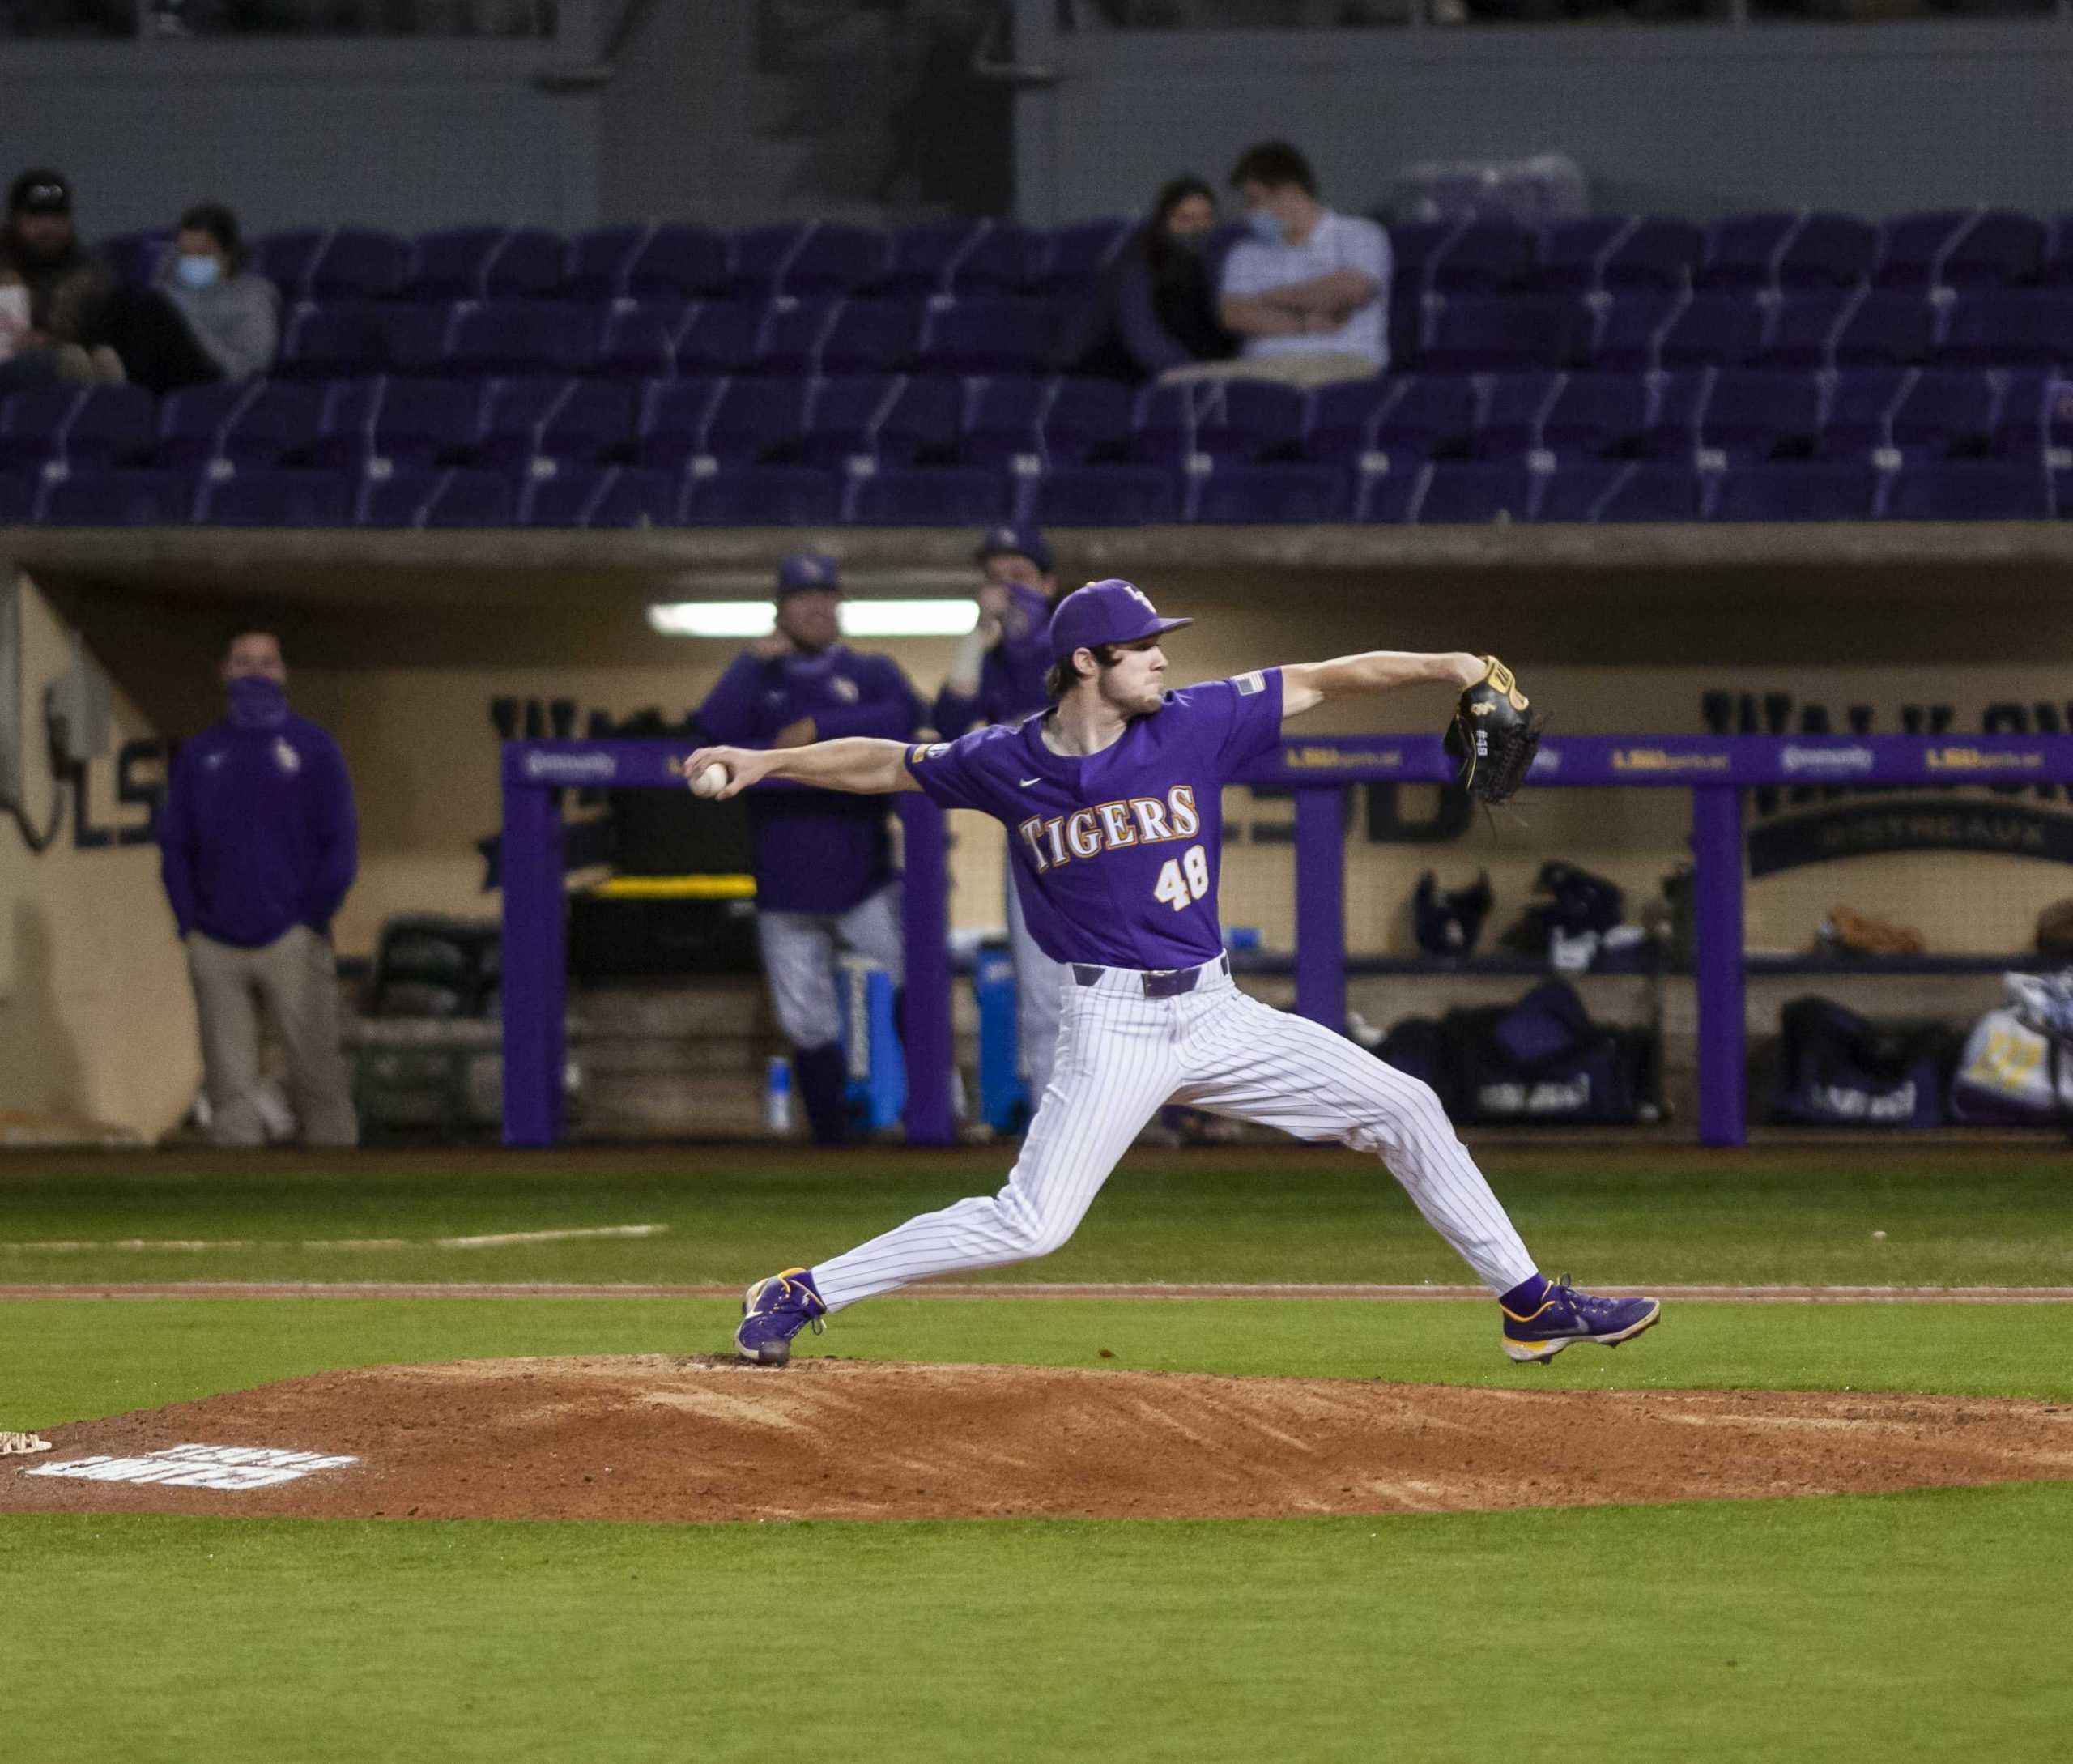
(1155, 307)
(258, 845)
(997, 676)
(205, 317)
(1308, 292)
(825, 881)
(51, 287)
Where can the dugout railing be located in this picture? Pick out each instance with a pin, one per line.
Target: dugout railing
(1715, 770)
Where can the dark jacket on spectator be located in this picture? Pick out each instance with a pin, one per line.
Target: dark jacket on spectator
(65, 292)
(1155, 308)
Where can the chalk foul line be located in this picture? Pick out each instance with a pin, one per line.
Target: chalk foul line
(495, 1240)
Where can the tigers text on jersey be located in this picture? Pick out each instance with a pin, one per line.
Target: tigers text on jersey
(1117, 854)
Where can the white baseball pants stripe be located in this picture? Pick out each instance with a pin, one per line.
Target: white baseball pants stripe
(1120, 1057)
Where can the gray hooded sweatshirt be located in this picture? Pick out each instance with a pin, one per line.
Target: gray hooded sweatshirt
(237, 321)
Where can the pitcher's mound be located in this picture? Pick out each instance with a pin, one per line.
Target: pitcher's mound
(657, 1438)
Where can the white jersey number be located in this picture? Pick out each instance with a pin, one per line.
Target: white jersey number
(1184, 881)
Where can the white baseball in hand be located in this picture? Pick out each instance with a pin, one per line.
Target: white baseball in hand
(710, 781)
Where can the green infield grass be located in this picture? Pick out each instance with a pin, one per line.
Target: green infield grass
(2003, 1218)
(1837, 1631)
(1829, 1630)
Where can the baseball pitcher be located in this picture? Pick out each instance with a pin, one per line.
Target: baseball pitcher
(1112, 802)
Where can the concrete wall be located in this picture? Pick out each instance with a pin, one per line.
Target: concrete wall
(96, 1018)
(1696, 121)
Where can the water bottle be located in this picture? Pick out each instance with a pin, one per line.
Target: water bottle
(777, 1096)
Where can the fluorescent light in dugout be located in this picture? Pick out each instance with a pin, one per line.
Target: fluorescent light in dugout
(858, 618)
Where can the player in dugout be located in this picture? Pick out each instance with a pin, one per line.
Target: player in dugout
(997, 677)
(825, 881)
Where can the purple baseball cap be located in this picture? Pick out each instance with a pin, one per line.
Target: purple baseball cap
(1111, 611)
(1016, 541)
(806, 570)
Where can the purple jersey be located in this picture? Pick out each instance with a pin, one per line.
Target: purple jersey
(1117, 854)
(1011, 676)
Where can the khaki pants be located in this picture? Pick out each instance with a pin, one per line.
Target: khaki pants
(297, 978)
(1324, 367)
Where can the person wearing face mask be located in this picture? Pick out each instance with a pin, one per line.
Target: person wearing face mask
(1156, 306)
(258, 844)
(1308, 290)
(205, 317)
(51, 286)
(997, 675)
(825, 881)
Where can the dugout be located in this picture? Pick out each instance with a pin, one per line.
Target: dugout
(405, 643)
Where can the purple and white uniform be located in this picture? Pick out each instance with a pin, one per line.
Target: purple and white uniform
(1117, 857)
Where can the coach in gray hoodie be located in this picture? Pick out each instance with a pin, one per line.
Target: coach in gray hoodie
(205, 317)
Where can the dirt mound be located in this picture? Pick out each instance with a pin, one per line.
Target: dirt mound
(658, 1438)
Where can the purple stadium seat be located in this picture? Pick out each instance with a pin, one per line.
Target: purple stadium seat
(684, 262)
(1466, 256)
(1911, 413)
(1714, 329)
(806, 257)
(1960, 248)
(14, 499)
(724, 422)
(1622, 491)
(1266, 495)
(2002, 328)
(963, 257)
(1595, 414)
(1235, 422)
(1458, 494)
(458, 496)
(1511, 410)
(1727, 415)
(327, 342)
(92, 427)
(580, 422)
(1861, 327)
(1798, 249)
(1055, 422)
(929, 495)
(638, 339)
(248, 422)
(987, 336)
(871, 336)
(508, 337)
(789, 333)
(1071, 258)
(1823, 490)
(386, 424)
(1711, 329)
(893, 419)
(272, 499)
(284, 259)
(1407, 416)
(1972, 490)
(718, 337)
(2031, 414)
(134, 257)
(763, 496)
(1385, 497)
(1106, 496)
(486, 263)
(2055, 266)
(114, 498)
(1617, 251)
(1473, 333)
(1626, 331)
(598, 497)
(336, 264)
(601, 263)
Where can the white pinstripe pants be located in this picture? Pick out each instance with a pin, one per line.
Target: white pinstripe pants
(1120, 1057)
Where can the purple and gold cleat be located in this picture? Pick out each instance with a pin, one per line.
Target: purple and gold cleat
(775, 1310)
(1565, 1315)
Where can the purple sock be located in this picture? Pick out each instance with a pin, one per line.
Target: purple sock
(1526, 1297)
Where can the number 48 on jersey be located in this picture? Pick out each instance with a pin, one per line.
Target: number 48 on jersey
(1183, 880)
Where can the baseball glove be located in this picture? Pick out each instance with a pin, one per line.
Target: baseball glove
(1494, 734)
